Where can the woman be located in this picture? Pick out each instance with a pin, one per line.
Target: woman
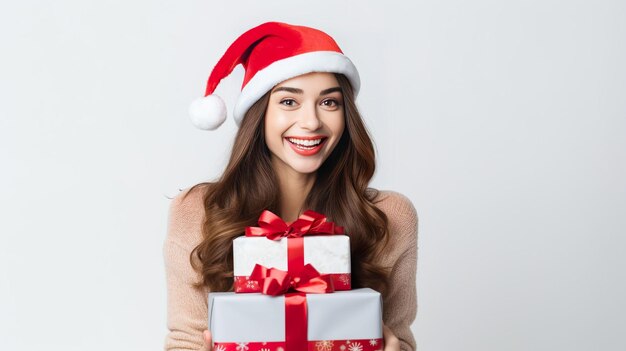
(301, 145)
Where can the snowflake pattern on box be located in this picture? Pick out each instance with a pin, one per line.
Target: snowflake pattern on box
(243, 284)
(315, 345)
(344, 278)
(324, 345)
(342, 281)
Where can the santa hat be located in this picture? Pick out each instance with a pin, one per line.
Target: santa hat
(270, 53)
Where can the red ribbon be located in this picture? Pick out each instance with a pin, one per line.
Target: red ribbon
(299, 277)
(275, 282)
(310, 222)
(296, 322)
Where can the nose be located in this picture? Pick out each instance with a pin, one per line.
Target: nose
(309, 118)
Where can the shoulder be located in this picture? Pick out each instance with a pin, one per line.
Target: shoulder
(189, 200)
(401, 214)
(186, 215)
(396, 206)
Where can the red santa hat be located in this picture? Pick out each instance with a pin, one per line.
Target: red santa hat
(270, 53)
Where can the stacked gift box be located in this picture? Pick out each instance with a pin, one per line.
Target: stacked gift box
(292, 292)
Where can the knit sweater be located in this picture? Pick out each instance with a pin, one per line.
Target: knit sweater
(187, 314)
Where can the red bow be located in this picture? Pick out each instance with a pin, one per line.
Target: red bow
(310, 222)
(275, 282)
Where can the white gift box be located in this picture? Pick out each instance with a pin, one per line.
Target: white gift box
(329, 254)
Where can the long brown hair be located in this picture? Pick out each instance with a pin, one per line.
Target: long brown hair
(249, 185)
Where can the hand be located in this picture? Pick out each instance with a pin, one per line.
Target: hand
(207, 340)
(391, 342)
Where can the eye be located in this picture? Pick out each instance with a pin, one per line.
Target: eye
(288, 102)
(332, 103)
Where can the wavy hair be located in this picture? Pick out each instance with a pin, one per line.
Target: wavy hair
(249, 185)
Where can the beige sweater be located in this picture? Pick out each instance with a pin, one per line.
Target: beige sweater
(187, 307)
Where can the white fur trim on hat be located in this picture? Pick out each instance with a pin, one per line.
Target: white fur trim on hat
(208, 112)
(278, 71)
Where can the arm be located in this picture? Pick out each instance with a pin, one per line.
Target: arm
(401, 299)
(400, 302)
(186, 305)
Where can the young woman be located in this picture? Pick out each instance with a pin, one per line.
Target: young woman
(301, 145)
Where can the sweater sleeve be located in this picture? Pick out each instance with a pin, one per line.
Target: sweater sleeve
(186, 305)
(400, 302)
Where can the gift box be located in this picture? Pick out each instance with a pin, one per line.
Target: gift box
(308, 240)
(339, 321)
(329, 254)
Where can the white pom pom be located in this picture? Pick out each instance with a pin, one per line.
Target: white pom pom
(208, 112)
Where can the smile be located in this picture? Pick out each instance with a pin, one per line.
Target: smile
(306, 146)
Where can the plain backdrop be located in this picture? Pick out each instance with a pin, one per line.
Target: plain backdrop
(503, 121)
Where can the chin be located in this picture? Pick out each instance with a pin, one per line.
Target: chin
(305, 167)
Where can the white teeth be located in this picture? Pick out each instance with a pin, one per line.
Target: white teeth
(305, 142)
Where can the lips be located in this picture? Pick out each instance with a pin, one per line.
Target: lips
(306, 146)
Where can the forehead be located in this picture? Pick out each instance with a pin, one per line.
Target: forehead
(313, 80)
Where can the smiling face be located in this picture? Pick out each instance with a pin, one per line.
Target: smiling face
(304, 121)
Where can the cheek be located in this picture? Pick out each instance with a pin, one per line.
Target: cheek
(337, 124)
(274, 127)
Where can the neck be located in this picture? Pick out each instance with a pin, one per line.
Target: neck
(294, 188)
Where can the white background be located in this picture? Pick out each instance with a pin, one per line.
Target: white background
(503, 121)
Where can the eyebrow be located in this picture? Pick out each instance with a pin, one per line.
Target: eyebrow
(300, 91)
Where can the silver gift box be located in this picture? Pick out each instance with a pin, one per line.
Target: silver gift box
(254, 317)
